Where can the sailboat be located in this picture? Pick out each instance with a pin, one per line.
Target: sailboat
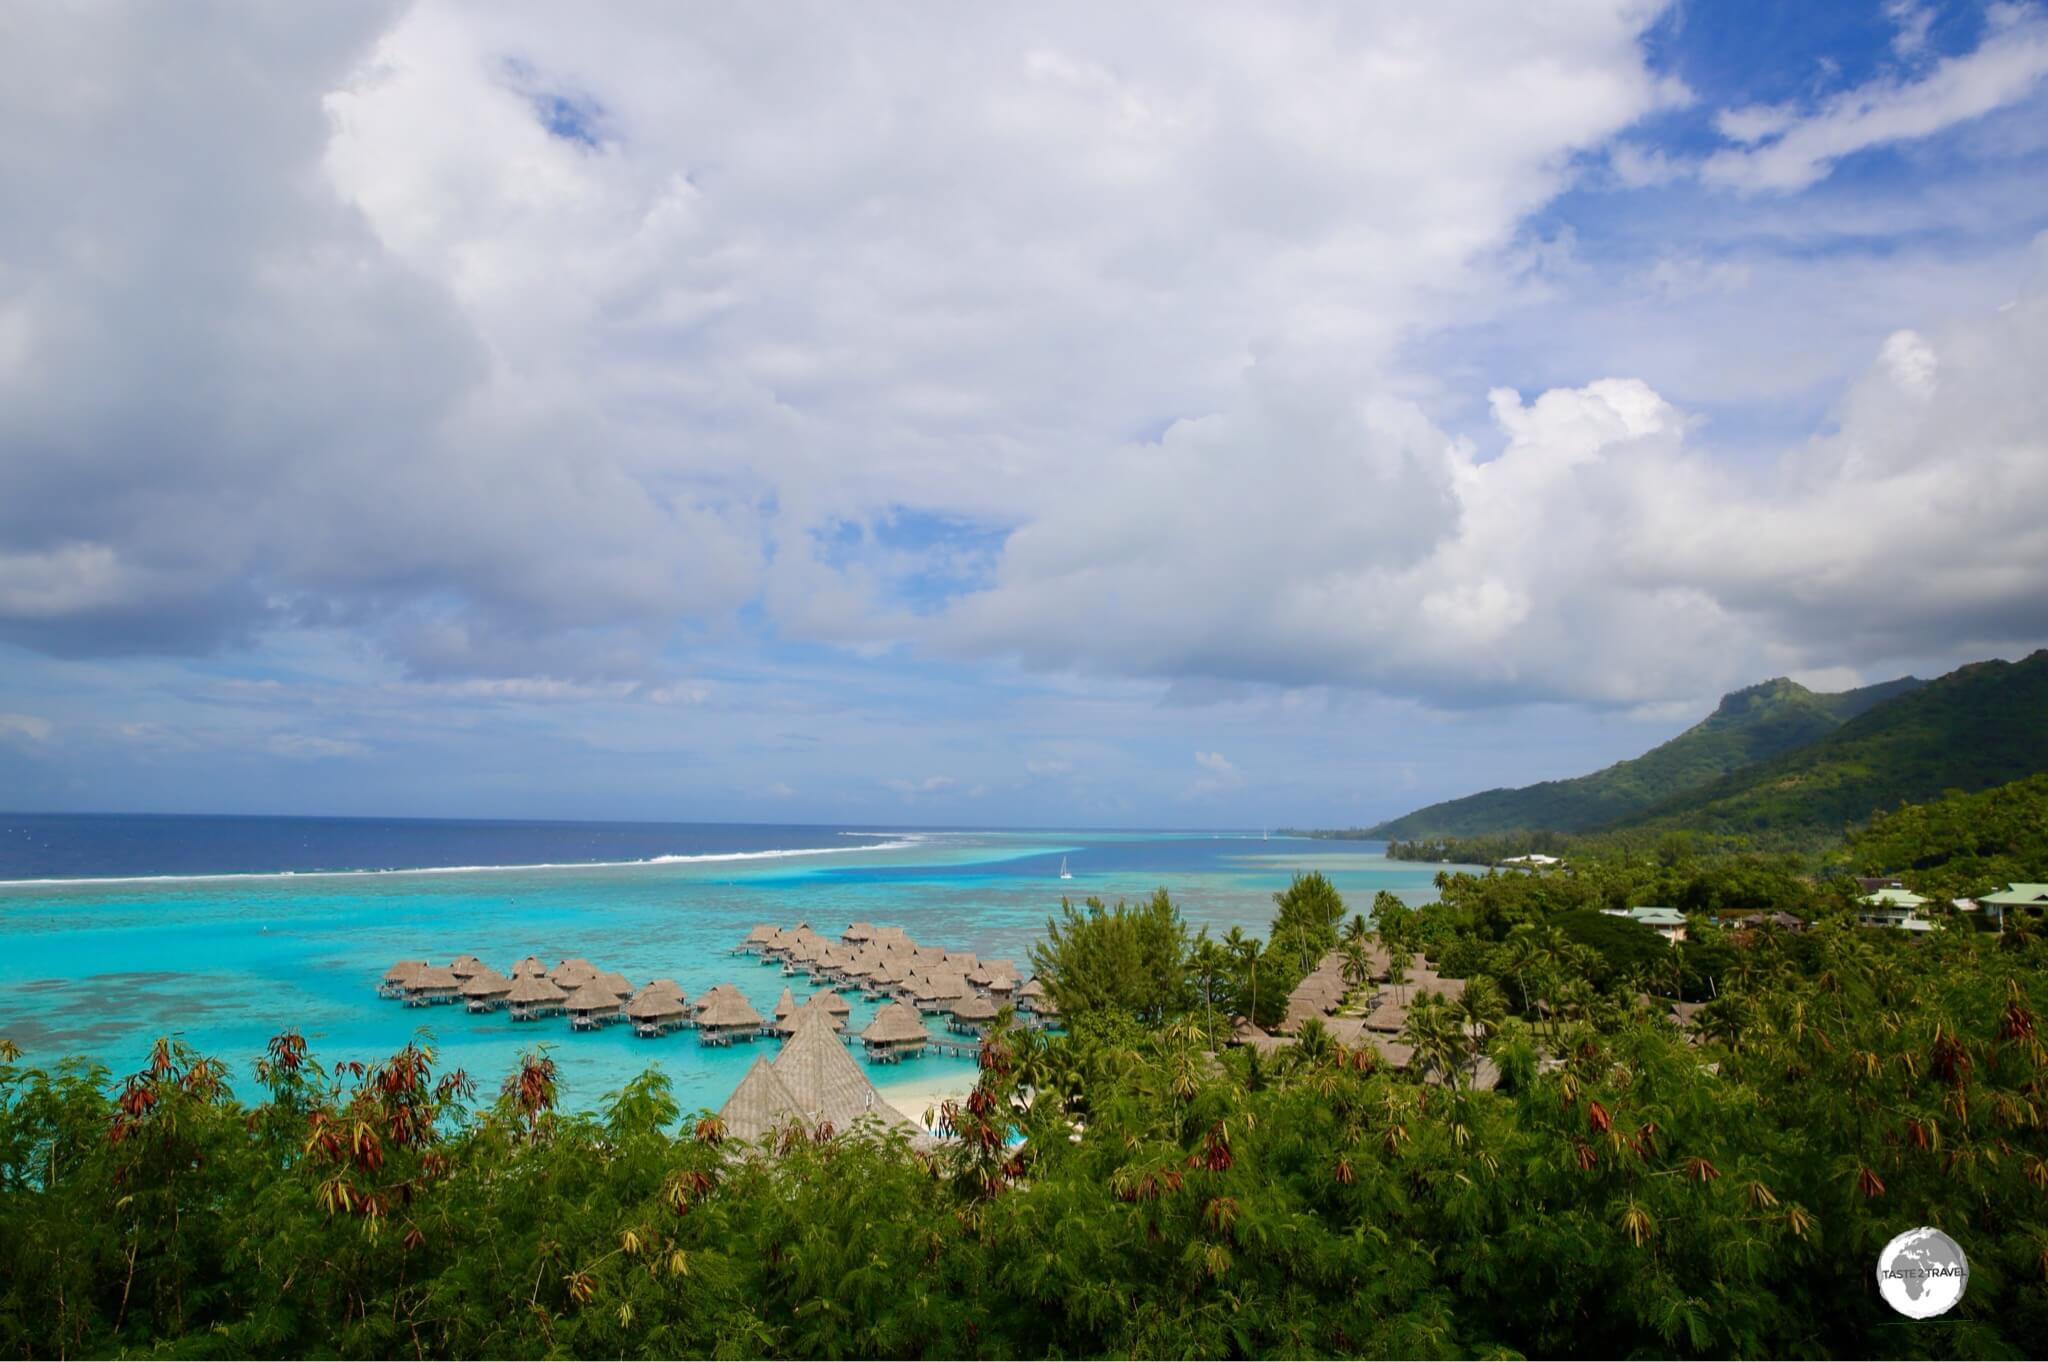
(1065, 873)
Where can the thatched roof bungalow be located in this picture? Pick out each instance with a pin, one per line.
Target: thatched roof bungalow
(727, 1018)
(432, 984)
(535, 996)
(463, 966)
(592, 1006)
(485, 991)
(398, 976)
(938, 992)
(858, 934)
(570, 975)
(756, 940)
(656, 1010)
(972, 1015)
(616, 983)
(827, 1085)
(786, 1004)
(531, 967)
(896, 1031)
(759, 1106)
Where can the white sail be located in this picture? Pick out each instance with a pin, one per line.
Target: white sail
(1065, 873)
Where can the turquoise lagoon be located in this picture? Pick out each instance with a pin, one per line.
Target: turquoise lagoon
(100, 968)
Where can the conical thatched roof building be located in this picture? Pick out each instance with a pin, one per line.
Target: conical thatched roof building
(759, 1106)
(858, 934)
(618, 984)
(812, 1011)
(826, 1083)
(531, 965)
(714, 993)
(786, 1004)
(896, 1031)
(838, 1008)
(573, 974)
(463, 966)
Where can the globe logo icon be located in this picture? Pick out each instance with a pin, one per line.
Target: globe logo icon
(1922, 1273)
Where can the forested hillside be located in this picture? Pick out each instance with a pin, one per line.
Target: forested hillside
(1749, 726)
(1979, 726)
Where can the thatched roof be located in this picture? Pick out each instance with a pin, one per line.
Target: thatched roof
(619, 984)
(715, 992)
(1390, 1016)
(655, 1004)
(573, 973)
(943, 986)
(786, 1004)
(486, 983)
(759, 1105)
(760, 936)
(535, 988)
(896, 1024)
(974, 1008)
(886, 973)
(826, 1082)
(858, 932)
(812, 1011)
(462, 966)
(1449, 989)
(666, 986)
(593, 997)
(1032, 989)
(532, 964)
(727, 1010)
(439, 978)
(833, 1003)
(403, 971)
(1002, 983)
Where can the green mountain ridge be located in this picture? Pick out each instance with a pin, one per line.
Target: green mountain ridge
(1749, 726)
(1979, 726)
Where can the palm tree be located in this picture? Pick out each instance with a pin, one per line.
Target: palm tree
(1211, 963)
(1250, 950)
(1439, 1040)
(1357, 967)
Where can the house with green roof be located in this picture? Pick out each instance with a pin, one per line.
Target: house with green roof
(2034, 896)
(1894, 908)
(1668, 923)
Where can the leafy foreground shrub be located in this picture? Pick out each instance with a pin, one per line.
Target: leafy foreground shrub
(1634, 1193)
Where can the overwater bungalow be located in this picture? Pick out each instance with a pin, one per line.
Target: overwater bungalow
(714, 993)
(972, 1015)
(938, 992)
(592, 1006)
(570, 975)
(986, 972)
(535, 996)
(430, 985)
(617, 984)
(1031, 995)
(485, 991)
(810, 1012)
(756, 941)
(1002, 987)
(657, 1010)
(835, 1007)
(463, 966)
(858, 934)
(728, 1018)
(532, 967)
(786, 1004)
(398, 976)
(895, 1032)
(882, 980)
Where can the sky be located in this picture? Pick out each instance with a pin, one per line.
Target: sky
(1136, 415)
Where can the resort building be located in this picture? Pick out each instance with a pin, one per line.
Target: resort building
(1894, 907)
(398, 976)
(727, 1017)
(535, 996)
(592, 1006)
(896, 1031)
(813, 1082)
(430, 985)
(463, 966)
(972, 1015)
(658, 1009)
(1668, 923)
(486, 990)
(2016, 898)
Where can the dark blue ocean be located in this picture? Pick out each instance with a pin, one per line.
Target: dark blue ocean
(224, 931)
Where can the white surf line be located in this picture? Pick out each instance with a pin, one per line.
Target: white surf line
(697, 859)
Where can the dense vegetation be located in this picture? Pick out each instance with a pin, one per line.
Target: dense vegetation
(1979, 726)
(1624, 1190)
(1961, 846)
(1749, 726)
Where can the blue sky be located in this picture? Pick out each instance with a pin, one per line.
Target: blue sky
(1169, 416)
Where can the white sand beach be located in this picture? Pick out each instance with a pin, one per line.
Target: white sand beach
(915, 1099)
